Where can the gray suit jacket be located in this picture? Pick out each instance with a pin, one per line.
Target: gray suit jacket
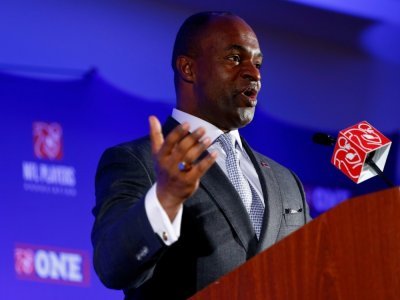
(216, 232)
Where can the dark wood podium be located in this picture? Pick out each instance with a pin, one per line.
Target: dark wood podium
(350, 252)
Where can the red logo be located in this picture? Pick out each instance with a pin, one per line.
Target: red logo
(352, 147)
(47, 140)
(365, 136)
(348, 158)
(23, 261)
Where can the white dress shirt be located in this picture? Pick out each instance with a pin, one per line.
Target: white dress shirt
(159, 220)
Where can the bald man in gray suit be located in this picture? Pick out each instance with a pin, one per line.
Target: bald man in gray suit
(174, 210)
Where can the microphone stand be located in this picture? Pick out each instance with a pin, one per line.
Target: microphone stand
(378, 171)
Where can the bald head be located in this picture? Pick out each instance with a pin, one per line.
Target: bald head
(187, 40)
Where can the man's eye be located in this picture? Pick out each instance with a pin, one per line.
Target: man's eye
(234, 58)
(258, 66)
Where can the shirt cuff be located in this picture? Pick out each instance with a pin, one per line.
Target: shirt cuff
(168, 231)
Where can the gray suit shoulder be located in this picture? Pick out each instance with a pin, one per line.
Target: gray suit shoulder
(138, 149)
(140, 146)
(277, 167)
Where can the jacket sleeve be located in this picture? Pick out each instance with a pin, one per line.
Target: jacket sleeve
(126, 249)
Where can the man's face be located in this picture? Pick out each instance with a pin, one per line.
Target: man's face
(227, 75)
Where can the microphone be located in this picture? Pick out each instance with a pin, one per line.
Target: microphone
(324, 139)
(360, 151)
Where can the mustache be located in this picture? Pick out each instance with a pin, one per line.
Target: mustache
(249, 89)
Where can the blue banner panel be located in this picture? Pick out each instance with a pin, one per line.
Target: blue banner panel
(53, 135)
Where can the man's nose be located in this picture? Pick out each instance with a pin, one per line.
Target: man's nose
(251, 72)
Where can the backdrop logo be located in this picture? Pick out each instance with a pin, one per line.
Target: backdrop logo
(46, 176)
(47, 140)
(52, 265)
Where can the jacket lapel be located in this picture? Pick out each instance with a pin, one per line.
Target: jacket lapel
(228, 200)
(272, 198)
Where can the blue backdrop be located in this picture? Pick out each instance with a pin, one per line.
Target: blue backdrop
(53, 133)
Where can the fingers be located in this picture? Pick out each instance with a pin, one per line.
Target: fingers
(175, 141)
(191, 151)
(201, 167)
(180, 145)
(191, 146)
(173, 138)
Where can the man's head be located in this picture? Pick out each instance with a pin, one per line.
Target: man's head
(216, 61)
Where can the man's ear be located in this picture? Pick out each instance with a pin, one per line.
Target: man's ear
(185, 68)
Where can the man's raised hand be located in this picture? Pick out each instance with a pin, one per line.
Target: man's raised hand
(177, 163)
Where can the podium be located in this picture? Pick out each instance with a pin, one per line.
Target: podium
(350, 252)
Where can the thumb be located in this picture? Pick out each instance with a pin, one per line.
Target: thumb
(156, 136)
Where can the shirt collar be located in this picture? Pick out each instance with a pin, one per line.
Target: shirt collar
(211, 131)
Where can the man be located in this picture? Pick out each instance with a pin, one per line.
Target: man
(169, 220)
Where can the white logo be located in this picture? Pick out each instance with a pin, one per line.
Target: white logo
(49, 178)
(39, 263)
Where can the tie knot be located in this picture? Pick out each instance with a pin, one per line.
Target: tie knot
(226, 142)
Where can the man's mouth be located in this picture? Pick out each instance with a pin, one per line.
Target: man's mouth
(251, 94)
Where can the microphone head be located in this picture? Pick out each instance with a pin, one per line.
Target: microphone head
(323, 139)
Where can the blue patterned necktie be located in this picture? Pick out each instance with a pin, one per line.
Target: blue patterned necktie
(250, 198)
